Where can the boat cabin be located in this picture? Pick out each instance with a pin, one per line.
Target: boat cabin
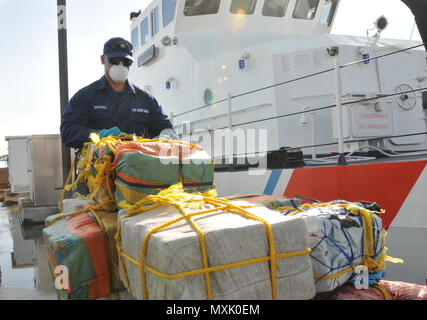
(264, 64)
(268, 19)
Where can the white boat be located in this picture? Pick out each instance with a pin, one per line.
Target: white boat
(270, 74)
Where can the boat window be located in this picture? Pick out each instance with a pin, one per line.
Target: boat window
(328, 12)
(275, 8)
(305, 9)
(144, 31)
(200, 7)
(208, 96)
(243, 6)
(168, 11)
(155, 21)
(135, 38)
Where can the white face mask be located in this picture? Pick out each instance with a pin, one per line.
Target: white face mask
(118, 73)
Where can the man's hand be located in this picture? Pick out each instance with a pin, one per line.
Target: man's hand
(168, 133)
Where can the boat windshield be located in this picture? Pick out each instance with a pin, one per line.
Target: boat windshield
(243, 6)
(275, 8)
(201, 7)
(305, 9)
(328, 12)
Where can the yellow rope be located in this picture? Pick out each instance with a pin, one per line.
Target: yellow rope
(87, 155)
(117, 237)
(105, 168)
(284, 208)
(373, 264)
(335, 275)
(61, 200)
(157, 229)
(216, 268)
(269, 232)
(203, 249)
(60, 216)
(101, 225)
(383, 290)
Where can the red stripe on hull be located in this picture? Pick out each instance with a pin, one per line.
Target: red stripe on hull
(387, 184)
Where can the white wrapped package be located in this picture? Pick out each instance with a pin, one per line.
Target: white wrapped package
(229, 238)
(71, 205)
(336, 239)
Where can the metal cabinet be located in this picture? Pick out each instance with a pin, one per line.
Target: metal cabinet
(19, 176)
(35, 166)
(45, 169)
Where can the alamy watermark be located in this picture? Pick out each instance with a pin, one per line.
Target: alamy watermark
(226, 146)
(62, 280)
(361, 281)
(62, 17)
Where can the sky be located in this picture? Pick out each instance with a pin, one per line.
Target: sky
(29, 76)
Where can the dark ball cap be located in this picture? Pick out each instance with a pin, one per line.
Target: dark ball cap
(118, 48)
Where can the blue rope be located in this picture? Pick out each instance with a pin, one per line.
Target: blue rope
(373, 275)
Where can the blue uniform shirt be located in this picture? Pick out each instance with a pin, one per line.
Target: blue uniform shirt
(98, 107)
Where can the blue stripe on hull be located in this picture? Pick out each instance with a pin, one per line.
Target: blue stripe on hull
(272, 181)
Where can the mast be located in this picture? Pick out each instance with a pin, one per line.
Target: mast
(63, 77)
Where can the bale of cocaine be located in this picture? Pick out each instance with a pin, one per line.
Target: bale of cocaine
(145, 168)
(343, 236)
(237, 249)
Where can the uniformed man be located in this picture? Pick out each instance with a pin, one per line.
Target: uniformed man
(112, 104)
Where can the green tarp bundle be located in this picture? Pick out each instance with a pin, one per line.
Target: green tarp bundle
(146, 168)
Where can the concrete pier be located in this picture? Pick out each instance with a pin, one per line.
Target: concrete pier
(29, 214)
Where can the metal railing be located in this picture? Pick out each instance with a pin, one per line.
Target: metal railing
(338, 104)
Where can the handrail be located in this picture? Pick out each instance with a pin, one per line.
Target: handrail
(327, 107)
(338, 103)
(334, 143)
(299, 78)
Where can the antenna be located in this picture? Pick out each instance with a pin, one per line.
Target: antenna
(412, 32)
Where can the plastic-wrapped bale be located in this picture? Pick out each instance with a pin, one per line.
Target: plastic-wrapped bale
(146, 168)
(109, 227)
(71, 205)
(342, 235)
(196, 168)
(109, 222)
(350, 292)
(105, 220)
(211, 252)
(400, 290)
(383, 290)
(77, 242)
